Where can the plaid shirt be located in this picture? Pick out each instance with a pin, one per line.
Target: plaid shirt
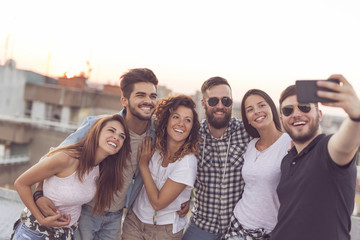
(219, 183)
(236, 229)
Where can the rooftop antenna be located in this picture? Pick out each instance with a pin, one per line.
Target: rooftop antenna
(12, 45)
(48, 63)
(6, 47)
(7, 44)
(88, 70)
(88, 66)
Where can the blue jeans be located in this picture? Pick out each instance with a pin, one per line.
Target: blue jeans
(22, 232)
(235, 238)
(105, 227)
(193, 232)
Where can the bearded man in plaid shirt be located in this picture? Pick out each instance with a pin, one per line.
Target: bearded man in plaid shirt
(219, 183)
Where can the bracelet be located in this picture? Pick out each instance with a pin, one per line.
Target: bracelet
(355, 119)
(38, 194)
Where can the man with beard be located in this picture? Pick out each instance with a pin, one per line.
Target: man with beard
(219, 184)
(139, 87)
(317, 185)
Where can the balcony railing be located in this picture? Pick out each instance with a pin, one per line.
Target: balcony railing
(14, 159)
(71, 126)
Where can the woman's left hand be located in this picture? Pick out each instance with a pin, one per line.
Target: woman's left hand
(145, 152)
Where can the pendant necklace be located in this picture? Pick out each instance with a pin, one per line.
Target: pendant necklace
(257, 154)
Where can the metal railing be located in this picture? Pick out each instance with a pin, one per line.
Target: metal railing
(41, 122)
(14, 159)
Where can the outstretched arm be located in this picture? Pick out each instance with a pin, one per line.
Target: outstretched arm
(345, 142)
(37, 173)
(159, 199)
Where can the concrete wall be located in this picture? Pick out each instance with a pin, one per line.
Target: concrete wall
(355, 228)
(39, 140)
(10, 209)
(74, 101)
(12, 82)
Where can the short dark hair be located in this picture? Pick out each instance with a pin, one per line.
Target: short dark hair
(132, 76)
(250, 129)
(288, 92)
(214, 81)
(163, 111)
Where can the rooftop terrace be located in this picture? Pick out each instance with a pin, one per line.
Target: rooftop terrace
(11, 206)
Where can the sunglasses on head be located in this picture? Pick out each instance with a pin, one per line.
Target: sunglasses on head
(289, 109)
(213, 101)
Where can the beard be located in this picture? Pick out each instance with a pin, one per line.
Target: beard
(306, 136)
(217, 123)
(137, 114)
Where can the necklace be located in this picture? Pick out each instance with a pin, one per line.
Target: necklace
(257, 154)
(259, 149)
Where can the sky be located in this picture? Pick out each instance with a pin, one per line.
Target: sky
(253, 44)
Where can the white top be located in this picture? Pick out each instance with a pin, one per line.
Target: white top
(182, 171)
(68, 193)
(259, 205)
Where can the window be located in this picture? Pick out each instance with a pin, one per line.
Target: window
(28, 108)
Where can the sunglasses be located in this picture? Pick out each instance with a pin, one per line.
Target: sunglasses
(289, 109)
(226, 101)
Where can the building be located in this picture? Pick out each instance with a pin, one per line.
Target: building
(38, 112)
(12, 82)
(23, 142)
(47, 111)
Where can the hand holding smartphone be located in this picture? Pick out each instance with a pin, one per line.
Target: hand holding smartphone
(306, 91)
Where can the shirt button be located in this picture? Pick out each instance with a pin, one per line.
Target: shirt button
(293, 163)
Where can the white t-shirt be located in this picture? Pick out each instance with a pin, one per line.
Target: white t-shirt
(259, 205)
(182, 171)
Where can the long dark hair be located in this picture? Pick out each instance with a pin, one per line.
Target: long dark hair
(163, 111)
(111, 168)
(250, 129)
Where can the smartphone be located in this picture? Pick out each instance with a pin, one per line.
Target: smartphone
(306, 91)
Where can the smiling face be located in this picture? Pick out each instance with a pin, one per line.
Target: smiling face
(179, 124)
(218, 116)
(302, 127)
(111, 138)
(142, 101)
(258, 112)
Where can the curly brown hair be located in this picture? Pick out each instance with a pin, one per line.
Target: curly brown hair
(163, 111)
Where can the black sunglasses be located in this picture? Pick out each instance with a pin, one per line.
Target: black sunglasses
(213, 101)
(289, 109)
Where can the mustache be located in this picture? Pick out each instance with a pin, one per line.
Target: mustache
(219, 110)
(146, 105)
(299, 119)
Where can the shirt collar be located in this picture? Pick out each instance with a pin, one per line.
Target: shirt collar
(308, 148)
